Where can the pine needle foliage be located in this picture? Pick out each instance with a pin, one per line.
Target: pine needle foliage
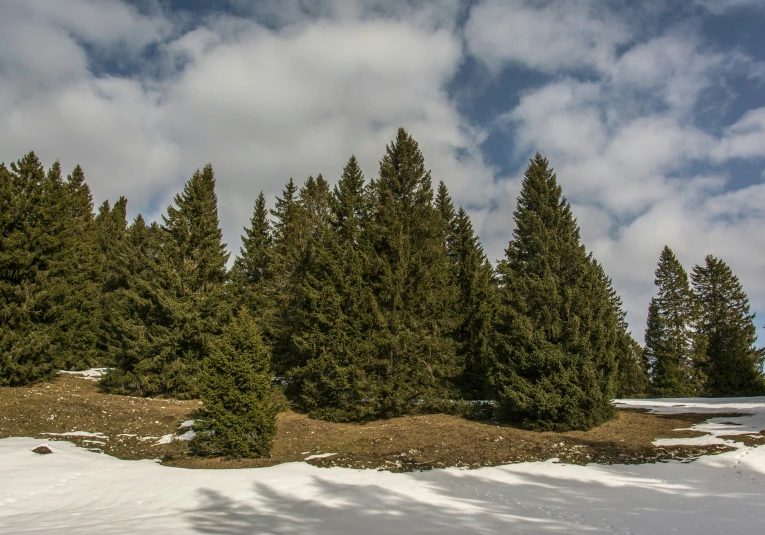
(175, 306)
(27, 343)
(238, 418)
(671, 346)
(733, 366)
(475, 307)
(336, 318)
(415, 361)
(557, 330)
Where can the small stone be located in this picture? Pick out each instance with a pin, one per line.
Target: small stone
(42, 450)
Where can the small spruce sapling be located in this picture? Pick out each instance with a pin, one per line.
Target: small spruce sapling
(238, 416)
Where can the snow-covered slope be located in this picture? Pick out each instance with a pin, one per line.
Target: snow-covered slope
(76, 491)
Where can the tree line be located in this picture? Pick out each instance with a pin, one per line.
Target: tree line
(371, 298)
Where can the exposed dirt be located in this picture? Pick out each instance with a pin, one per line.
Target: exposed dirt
(747, 440)
(129, 428)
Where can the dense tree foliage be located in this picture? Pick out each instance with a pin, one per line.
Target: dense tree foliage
(732, 364)
(558, 331)
(672, 347)
(175, 306)
(238, 418)
(368, 299)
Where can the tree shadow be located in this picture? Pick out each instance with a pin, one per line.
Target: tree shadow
(498, 501)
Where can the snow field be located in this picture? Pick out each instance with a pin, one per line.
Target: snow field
(77, 491)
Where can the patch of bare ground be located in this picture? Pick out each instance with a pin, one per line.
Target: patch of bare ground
(420, 442)
(754, 439)
(127, 427)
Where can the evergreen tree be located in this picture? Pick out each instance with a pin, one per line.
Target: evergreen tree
(335, 321)
(476, 307)
(80, 266)
(445, 208)
(289, 242)
(176, 305)
(238, 417)
(733, 365)
(27, 342)
(671, 346)
(558, 333)
(632, 378)
(252, 272)
(415, 359)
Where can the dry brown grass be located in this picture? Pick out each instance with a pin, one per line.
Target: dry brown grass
(757, 439)
(400, 444)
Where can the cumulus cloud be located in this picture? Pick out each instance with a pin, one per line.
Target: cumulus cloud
(263, 99)
(722, 6)
(743, 139)
(617, 121)
(547, 36)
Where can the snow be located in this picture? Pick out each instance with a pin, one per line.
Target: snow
(188, 435)
(165, 439)
(77, 491)
(77, 434)
(754, 422)
(319, 456)
(92, 374)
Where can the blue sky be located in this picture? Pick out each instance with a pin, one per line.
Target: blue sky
(652, 113)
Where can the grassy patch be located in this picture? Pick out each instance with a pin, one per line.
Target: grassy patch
(755, 439)
(419, 442)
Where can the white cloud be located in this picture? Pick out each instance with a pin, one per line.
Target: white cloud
(621, 132)
(719, 7)
(545, 36)
(261, 104)
(743, 139)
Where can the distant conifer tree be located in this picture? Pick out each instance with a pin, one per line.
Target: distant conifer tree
(252, 274)
(336, 318)
(27, 342)
(671, 345)
(733, 364)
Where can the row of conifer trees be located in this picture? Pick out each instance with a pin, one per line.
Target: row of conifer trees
(372, 298)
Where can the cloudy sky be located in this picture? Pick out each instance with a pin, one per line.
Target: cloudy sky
(652, 113)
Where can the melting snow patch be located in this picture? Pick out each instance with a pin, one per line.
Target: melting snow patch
(752, 417)
(92, 374)
(164, 439)
(319, 456)
(187, 424)
(78, 434)
(188, 435)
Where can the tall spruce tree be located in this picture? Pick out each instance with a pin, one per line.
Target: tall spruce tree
(337, 314)
(733, 364)
(252, 272)
(475, 306)
(48, 263)
(632, 378)
(27, 340)
(289, 242)
(671, 345)
(176, 305)
(410, 277)
(79, 324)
(557, 330)
(238, 416)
